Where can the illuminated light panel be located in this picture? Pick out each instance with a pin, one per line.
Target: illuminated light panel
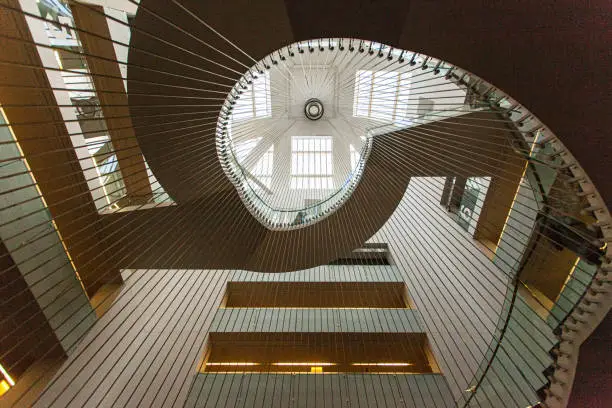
(316, 370)
(574, 267)
(568, 278)
(7, 376)
(383, 364)
(315, 307)
(305, 364)
(231, 364)
(4, 387)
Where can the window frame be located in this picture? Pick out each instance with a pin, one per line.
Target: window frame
(400, 89)
(253, 95)
(305, 147)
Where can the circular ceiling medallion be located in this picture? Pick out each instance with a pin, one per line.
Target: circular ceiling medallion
(313, 109)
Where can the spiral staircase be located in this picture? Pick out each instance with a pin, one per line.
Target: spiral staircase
(504, 300)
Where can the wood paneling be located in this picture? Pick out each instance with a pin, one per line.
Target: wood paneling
(127, 361)
(332, 390)
(317, 320)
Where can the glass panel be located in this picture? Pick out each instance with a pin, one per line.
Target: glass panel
(243, 148)
(354, 157)
(263, 168)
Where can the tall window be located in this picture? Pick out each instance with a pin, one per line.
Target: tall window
(311, 162)
(263, 168)
(255, 101)
(382, 95)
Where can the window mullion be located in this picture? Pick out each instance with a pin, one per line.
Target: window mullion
(397, 93)
(371, 94)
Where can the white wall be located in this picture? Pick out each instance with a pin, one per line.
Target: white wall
(145, 350)
(457, 289)
(119, 33)
(123, 5)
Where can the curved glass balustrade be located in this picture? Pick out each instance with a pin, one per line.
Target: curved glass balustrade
(281, 218)
(291, 187)
(547, 216)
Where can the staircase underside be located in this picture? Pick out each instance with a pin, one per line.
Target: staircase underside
(183, 157)
(544, 66)
(227, 236)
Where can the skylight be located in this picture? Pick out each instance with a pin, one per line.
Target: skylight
(382, 95)
(311, 162)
